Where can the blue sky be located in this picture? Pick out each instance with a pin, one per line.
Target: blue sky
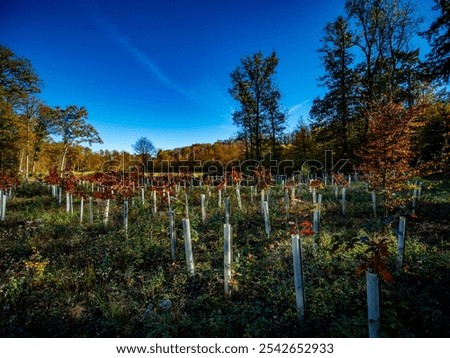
(161, 68)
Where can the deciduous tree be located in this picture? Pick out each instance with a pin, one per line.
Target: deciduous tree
(17, 77)
(145, 149)
(29, 123)
(433, 139)
(18, 81)
(387, 159)
(382, 31)
(254, 88)
(71, 125)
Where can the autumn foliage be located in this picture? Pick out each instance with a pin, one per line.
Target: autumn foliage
(387, 158)
(374, 259)
(8, 181)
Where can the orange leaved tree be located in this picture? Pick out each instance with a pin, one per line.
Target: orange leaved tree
(387, 157)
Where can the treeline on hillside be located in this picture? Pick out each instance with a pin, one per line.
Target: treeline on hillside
(383, 101)
(83, 159)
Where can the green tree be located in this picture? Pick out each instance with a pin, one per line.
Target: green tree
(71, 125)
(41, 130)
(254, 88)
(8, 138)
(368, 62)
(145, 149)
(332, 115)
(29, 125)
(18, 81)
(276, 119)
(438, 35)
(382, 33)
(17, 77)
(433, 139)
(302, 144)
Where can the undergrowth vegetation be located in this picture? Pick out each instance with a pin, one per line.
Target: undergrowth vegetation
(60, 278)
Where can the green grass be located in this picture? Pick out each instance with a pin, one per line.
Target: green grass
(62, 279)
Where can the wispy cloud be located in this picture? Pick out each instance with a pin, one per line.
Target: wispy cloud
(297, 113)
(114, 34)
(298, 108)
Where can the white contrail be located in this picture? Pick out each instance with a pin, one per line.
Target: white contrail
(113, 33)
(297, 107)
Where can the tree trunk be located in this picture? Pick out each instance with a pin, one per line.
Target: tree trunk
(22, 153)
(27, 163)
(63, 161)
